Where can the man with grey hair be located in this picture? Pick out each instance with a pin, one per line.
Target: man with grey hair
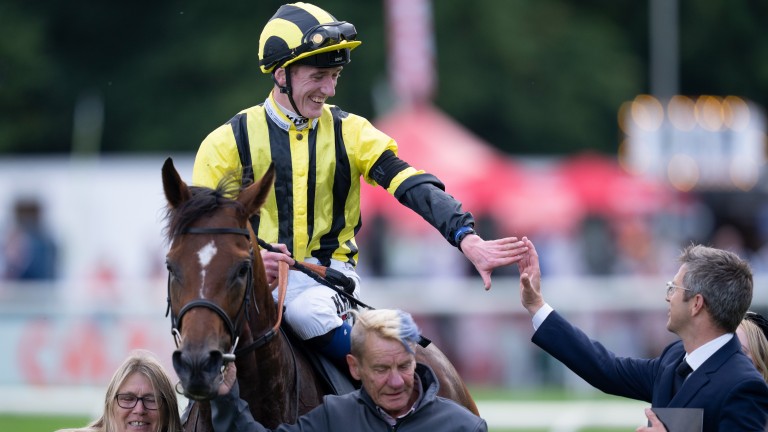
(397, 392)
(705, 369)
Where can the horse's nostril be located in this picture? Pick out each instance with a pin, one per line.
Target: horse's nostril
(215, 362)
(177, 360)
(199, 373)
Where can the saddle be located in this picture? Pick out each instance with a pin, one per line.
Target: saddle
(337, 380)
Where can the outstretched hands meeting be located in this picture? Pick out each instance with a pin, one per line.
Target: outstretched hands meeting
(530, 279)
(487, 255)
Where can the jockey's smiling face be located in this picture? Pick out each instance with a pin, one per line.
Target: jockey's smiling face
(311, 87)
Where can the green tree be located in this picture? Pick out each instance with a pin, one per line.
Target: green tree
(531, 77)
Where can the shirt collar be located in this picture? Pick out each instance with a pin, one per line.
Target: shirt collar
(702, 353)
(277, 114)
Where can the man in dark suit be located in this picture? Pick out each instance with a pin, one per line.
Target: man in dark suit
(707, 300)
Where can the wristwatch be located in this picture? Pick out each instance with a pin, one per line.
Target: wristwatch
(461, 233)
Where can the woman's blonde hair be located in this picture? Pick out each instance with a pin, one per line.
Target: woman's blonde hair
(757, 344)
(144, 363)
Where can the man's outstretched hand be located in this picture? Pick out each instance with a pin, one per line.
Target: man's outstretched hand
(487, 255)
(530, 279)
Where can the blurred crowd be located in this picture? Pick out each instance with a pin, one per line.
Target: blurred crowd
(600, 244)
(29, 251)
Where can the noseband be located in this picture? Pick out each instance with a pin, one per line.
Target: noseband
(235, 328)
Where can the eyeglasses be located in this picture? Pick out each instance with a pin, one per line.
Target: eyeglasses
(127, 400)
(671, 287)
(327, 34)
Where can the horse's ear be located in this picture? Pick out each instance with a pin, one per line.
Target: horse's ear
(254, 196)
(176, 191)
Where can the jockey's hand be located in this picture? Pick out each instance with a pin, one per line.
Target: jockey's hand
(272, 258)
(230, 376)
(488, 255)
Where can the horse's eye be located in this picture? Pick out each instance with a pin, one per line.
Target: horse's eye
(243, 272)
(171, 270)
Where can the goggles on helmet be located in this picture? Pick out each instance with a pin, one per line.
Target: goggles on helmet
(317, 37)
(323, 35)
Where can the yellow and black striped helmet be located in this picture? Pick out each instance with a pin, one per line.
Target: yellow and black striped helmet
(304, 33)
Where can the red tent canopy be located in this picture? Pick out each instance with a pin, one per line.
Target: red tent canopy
(522, 199)
(472, 171)
(604, 188)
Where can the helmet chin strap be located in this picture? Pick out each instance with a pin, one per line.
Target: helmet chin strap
(288, 90)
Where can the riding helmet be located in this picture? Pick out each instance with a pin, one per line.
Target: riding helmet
(305, 34)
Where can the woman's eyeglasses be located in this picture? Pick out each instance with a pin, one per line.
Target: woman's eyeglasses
(127, 400)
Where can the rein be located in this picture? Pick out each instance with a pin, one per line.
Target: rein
(235, 328)
(330, 277)
(325, 276)
(282, 288)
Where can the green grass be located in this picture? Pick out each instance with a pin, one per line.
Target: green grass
(25, 423)
(39, 423)
(50, 423)
(580, 430)
(540, 394)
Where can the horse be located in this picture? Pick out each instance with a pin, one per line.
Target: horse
(222, 308)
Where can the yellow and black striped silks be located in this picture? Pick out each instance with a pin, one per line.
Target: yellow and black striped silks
(315, 205)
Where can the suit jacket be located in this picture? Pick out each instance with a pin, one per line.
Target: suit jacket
(727, 386)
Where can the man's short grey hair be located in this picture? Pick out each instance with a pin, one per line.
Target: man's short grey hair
(723, 279)
(393, 324)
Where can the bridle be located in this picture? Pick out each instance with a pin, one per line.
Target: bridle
(234, 328)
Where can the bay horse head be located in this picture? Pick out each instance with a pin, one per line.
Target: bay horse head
(214, 268)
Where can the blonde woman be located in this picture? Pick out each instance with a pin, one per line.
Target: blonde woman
(140, 397)
(752, 335)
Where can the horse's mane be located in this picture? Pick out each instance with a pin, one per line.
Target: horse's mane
(203, 201)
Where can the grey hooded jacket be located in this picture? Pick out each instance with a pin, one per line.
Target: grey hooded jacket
(355, 412)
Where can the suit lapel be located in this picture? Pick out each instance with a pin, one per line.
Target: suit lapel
(662, 389)
(700, 377)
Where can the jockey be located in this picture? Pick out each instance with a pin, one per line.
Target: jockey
(320, 153)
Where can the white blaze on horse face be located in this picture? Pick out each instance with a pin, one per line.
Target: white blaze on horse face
(205, 256)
